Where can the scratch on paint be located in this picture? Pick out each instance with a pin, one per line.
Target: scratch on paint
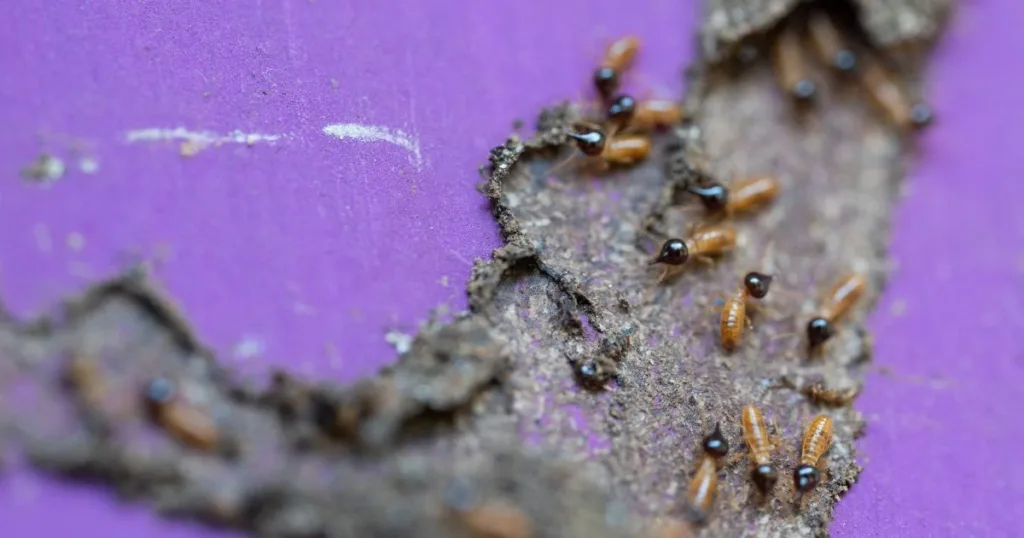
(376, 133)
(199, 138)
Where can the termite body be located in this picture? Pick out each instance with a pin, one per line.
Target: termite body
(618, 57)
(816, 441)
(743, 196)
(891, 98)
(791, 66)
(703, 487)
(185, 422)
(621, 150)
(836, 303)
(656, 114)
(734, 314)
(755, 434)
(830, 44)
(704, 243)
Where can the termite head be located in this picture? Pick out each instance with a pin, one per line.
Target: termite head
(803, 90)
(673, 252)
(845, 60)
(714, 197)
(696, 516)
(593, 374)
(819, 330)
(757, 284)
(921, 115)
(765, 478)
(606, 80)
(805, 478)
(715, 443)
(621, 110)
(159, 392)
(590, 141)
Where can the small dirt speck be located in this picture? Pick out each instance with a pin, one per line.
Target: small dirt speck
(45, 169)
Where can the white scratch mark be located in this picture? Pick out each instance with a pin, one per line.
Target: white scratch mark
(376, 133)
(43, 241)
(199, 138)
(88, 165)
(401, 341)
(76, 241)
(248, 347)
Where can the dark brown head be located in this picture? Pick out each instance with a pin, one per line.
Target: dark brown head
(715, 444)
(673, 252)
(845, 61)
(461, 495)
(757, 284)
(804, 90)
(818, 331)
(765, 477)
(606, 81)
(921, 115)
(591, 141)
(714, 196)
(593, 374)
(696, 516)
(325, 413)
(160, 391)
(805, 478)
(621, 110)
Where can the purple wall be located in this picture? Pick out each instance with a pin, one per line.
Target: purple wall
(305, 250)
(944, 428)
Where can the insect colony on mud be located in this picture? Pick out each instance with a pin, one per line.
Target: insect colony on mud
(621, 137)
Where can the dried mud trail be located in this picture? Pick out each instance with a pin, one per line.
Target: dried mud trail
(495, 419)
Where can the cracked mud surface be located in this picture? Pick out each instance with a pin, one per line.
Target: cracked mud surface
(904, 24)
(569, 344)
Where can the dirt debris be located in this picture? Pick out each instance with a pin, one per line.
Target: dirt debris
(45, 169)
(287, 476)
(730, 26)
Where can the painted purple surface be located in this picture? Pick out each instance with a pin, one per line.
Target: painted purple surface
(303, 252)
(944, 430)
(311, 248)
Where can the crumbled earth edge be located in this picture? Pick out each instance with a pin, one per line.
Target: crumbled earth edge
(898, 26)
(433, 445)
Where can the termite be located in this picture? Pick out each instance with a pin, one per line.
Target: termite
(669, 528)
(755, 433)
(734, 313)
(656, 114)
(818, 393)
(702, 244)
(486, 518)
(617, 58)
(837, 302)
(496, 519)
(745, 195)
(791, 66)
(715, 444)
(83, 376)
(816, 441)
(187, 423)
(830, 44)
(889, 97)
(702, 489)
(621, 150)
(620, 113)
